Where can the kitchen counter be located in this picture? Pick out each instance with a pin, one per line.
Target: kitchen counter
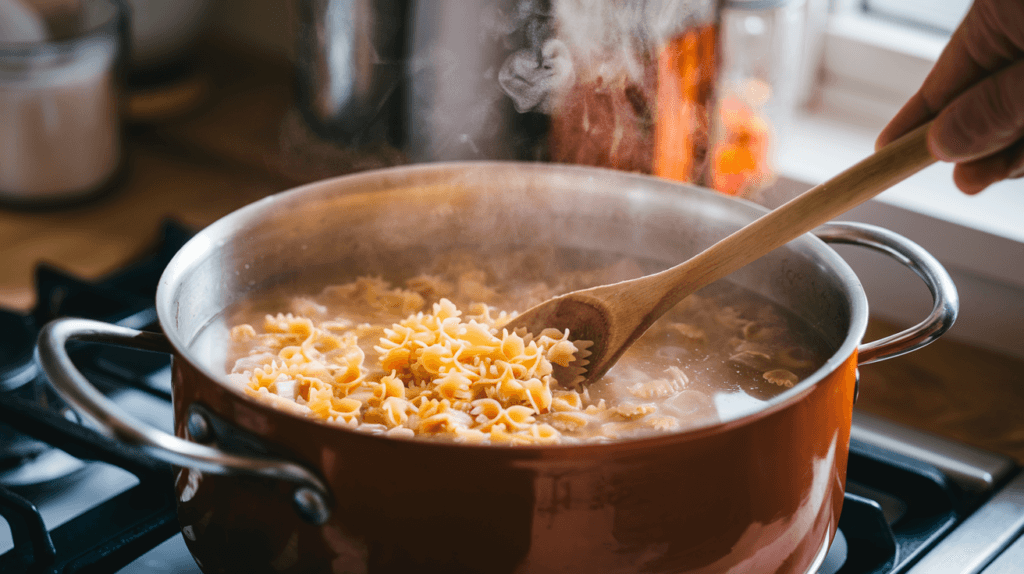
(244, 141)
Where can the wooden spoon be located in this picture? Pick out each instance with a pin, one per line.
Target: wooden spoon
(613, 316)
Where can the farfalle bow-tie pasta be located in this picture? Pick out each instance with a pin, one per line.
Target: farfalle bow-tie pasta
(385, 360)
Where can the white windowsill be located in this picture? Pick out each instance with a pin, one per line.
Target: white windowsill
(818, 147)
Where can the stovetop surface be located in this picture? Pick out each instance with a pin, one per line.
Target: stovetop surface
(915, 503)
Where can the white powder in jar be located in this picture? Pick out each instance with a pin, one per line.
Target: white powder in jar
(60, 134)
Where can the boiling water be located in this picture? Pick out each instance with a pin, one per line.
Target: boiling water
(718, 355)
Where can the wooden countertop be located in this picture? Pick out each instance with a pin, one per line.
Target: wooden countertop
(244, 141)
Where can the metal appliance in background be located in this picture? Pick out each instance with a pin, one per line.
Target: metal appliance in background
(350, 57)
(610, 83)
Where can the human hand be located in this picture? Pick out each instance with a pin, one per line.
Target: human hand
(975, 92)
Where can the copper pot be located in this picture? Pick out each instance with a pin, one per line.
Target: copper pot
(264, 490)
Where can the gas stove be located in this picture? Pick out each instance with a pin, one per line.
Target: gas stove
(73, 501)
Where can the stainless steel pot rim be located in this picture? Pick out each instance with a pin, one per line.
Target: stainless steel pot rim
(214, 235)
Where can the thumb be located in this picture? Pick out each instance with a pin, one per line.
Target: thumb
(986, 118)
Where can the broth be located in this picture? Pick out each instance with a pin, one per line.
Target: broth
(346, 355)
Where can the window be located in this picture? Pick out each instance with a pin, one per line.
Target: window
(873, 54)
(941, 16)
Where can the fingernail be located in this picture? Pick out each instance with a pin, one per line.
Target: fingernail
(938, 143)
(881, 140)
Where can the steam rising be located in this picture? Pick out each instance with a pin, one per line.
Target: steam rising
(487, 77)
(617, 38)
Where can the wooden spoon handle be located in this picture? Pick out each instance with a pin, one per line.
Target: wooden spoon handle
(864, 180)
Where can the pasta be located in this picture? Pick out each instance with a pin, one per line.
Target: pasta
(409, 362)
(443, 374)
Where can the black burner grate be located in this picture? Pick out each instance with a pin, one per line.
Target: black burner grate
(116, 532)
(895, 509)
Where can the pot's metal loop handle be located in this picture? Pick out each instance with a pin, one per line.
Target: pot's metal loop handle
(946, 301)
(310, 496)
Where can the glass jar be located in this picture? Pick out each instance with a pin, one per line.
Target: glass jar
(61, 77)
(761, 48)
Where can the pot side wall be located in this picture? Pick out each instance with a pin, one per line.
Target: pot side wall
(759, 494)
